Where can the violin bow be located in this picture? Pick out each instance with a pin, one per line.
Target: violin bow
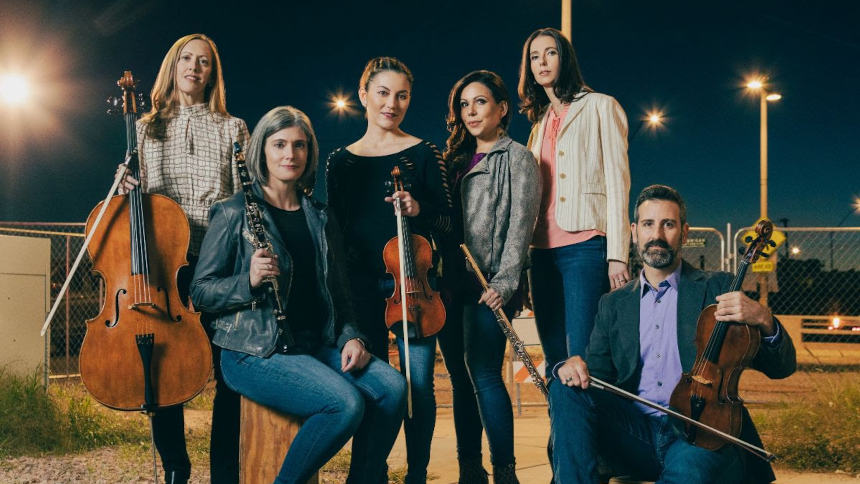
(403, 295)
(757, 451)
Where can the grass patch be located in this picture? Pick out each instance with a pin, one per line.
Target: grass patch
(205, 400)
(64, 419)
(821, 432)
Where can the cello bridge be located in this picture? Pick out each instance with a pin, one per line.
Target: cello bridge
(135, 306)
(702, 380)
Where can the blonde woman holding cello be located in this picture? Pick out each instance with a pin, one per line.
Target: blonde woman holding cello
(185, 150)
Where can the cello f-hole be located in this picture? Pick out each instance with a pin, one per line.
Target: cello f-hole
(176, 318)
(108, 323)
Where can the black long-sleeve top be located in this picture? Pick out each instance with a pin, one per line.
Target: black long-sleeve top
(356, 187)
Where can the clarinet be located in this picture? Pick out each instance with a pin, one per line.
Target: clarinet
(257, 238)
(507, 328)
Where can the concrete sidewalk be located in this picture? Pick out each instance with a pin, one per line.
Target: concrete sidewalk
(531, 431)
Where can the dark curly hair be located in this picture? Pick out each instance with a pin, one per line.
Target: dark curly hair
(461, 144)
(569, 83)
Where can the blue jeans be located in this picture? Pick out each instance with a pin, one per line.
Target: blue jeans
(467, 419)
(367, 404)
(485, 353)
(370, 310)
(589, 423)
(567, 283)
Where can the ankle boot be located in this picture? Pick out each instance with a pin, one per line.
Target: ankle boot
(173, 477)
(505, 474)
(472, 472)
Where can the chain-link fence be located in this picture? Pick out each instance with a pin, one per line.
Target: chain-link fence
(816, 271)
(814, 285)
(83, 298)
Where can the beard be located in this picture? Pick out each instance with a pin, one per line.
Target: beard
(658, 254)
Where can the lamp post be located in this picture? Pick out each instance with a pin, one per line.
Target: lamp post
(764, 96)
(566, 19)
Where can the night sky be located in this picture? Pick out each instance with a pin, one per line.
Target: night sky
(58, 153)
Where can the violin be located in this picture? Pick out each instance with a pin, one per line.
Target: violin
(145, 349)
(421, 309)
(709, 393)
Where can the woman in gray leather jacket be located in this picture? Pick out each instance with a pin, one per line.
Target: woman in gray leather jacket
(496, 186)
(326, 376)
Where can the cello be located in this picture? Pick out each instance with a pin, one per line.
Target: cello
(145, 349)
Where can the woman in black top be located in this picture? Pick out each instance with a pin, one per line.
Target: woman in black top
(356, 177)
(326, 377)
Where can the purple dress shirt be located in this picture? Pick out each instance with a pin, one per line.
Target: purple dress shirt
(658, 340)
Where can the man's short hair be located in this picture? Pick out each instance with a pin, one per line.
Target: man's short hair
(661, 192)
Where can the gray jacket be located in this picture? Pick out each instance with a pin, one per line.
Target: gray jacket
(245, 319)
(501, 198)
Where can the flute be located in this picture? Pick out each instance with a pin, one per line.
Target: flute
(508, 330)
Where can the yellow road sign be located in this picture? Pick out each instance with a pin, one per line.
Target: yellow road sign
(763, 266)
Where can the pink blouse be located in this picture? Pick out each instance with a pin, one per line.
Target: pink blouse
(548, 235)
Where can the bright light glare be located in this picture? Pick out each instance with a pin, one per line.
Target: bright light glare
(774, 97)
(795, 250)
(14, 89)
(654, 118)
(339, 103)
(836, 323)
(754, 84)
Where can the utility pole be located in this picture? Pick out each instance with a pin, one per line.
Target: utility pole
(566, 19)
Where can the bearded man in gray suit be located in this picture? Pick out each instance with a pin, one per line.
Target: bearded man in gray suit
(643, 339)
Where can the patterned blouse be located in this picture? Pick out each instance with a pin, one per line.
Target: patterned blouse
(194, 165)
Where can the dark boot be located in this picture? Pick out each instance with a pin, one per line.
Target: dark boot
(472, 472)
(505, 474)
(174, 477)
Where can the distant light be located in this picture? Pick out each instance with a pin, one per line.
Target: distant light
(774, 97)
(795, 250)
(754, 84)
(340, 103)
(654, 118)
(836, 323)
(14, 89)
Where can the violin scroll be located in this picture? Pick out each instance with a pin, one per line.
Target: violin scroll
(764, 231)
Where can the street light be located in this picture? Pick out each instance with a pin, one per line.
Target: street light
(14, 89)
(764, 96)
(654, 118)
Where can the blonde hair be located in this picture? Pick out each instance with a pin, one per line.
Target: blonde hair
(163, 97)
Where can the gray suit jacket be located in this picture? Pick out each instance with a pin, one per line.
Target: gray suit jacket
(613, 352)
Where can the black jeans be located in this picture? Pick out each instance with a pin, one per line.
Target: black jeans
(168, 424)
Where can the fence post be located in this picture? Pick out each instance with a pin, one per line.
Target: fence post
(68, 313)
